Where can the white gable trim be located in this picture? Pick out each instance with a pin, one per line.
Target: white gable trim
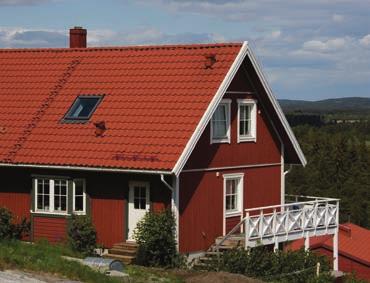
(211, 108)
(277, 107)
(244, 51)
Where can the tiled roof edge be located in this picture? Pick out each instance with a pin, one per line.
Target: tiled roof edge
(125, 48)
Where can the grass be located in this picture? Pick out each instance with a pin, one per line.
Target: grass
(42, 257)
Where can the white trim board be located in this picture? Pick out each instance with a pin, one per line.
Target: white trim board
(210, 110)
(244, 51)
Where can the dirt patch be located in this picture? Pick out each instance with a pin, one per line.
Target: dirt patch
(217, 277)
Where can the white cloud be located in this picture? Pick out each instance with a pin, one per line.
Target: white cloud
(326, 45)
(365, 41)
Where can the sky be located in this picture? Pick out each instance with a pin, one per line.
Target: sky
(309, 49)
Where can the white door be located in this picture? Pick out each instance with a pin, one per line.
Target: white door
(138, 205)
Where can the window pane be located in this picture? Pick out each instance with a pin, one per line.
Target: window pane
(137, 203)
(219, 122)
(42, 197)
(83, 107)
(231, 198)
(142, 203)
(60, 195)
(79, 203)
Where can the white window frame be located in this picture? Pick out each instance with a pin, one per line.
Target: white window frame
(83, 212)
(240, 194)
(51, 197)
(252, 137)
(226, 102)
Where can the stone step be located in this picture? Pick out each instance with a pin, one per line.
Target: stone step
(125, 259)
(122, 251)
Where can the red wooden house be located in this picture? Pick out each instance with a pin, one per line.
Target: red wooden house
(114, 132)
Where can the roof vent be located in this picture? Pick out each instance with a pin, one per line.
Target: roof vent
(77, 37)
(100, 128)
(210, 61)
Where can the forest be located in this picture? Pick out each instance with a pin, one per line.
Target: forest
(338, 156)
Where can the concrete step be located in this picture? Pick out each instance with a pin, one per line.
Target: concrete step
(125, 259)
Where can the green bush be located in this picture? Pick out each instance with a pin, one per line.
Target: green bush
(10, 228)
(82, 234)
(155, 235)
(260, 262)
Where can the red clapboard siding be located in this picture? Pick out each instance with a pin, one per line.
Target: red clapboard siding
(18, 203)
(346, 264)
(109, 218)
(231, 222)
(50, 228)
(265, 150)
(201, 203)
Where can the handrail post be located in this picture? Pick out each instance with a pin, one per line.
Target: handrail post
(247, 231)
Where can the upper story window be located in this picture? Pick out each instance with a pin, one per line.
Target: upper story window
(82, 108)
(52, 196)
(247, 120)
(220, 123)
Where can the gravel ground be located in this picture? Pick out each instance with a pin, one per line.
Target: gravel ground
(16, 276)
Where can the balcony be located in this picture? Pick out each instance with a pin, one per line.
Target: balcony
(299, 217)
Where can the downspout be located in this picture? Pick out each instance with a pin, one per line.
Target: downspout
(166, 184)
(174, 203)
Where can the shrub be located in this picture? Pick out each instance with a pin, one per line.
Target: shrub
(10, 228)
(259, 262)
(155, 235)
(82, 234)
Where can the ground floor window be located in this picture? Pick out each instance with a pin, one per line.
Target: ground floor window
(51, 195)
(233, 191)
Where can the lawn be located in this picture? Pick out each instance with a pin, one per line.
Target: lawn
(44, 258)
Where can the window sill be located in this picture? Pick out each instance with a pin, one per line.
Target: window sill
(233, 214)
(220, 141)
(40, 212)
(247, 139)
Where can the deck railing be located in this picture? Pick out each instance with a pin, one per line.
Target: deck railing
(300, 217)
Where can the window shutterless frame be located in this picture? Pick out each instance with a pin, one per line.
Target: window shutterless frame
(239, 178)
(51, 209)
(227, 103)
(83, 211)
(78, 102)
(251, 136)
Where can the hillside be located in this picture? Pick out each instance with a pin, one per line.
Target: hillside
(355, 105)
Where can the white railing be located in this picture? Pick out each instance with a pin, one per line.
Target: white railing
(299, 219)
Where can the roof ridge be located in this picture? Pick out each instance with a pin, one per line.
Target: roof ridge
(125, 47)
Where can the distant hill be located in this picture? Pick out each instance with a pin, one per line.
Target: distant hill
(347, 104)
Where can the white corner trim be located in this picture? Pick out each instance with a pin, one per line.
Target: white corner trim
(211, 109)
(253, 136)
(277, 107)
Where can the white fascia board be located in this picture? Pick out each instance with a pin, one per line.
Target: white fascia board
(277, 107)
(95, 169)
(211, 109)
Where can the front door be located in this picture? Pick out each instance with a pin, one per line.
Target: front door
(138, 205)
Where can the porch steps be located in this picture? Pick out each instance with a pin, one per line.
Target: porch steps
(125, 252)
(211, 256)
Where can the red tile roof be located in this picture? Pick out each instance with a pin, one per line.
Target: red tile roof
(354, 242)
(154, 97)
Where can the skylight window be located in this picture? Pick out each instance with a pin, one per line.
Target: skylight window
(83, 107)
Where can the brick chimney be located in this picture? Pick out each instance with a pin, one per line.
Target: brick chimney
(77, 37)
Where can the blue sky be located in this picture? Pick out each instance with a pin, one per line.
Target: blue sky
(309, 50)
